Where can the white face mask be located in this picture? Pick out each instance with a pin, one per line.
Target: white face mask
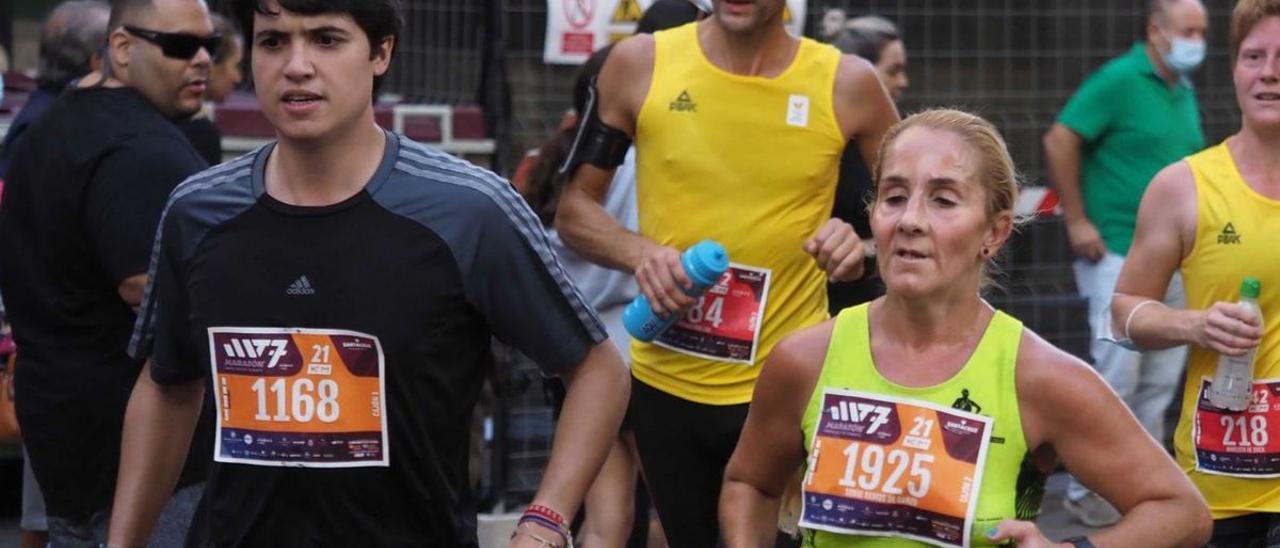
(703, 5)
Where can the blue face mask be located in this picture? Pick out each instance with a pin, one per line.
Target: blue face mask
(1185, 55)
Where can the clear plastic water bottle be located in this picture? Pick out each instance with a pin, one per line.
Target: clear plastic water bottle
(1232, 387)
(704, 263)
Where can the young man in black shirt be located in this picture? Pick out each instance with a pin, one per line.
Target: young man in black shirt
(336, 291)
(82, 202)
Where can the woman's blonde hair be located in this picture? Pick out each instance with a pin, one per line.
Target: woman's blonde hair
(996, 170)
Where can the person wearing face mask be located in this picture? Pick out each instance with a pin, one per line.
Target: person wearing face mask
(1132, 117)
(1212, 217)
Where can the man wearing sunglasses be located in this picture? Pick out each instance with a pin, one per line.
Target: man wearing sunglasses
(84, 197)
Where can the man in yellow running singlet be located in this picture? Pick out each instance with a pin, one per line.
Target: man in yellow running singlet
(1214, 217)
(738, 130)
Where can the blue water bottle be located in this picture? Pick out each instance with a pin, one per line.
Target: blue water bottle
(703, 263)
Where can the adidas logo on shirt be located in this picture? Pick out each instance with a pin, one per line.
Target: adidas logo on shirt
(301, 286)
(684, 103)
(1229, 235)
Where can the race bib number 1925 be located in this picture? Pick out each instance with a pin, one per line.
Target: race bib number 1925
(298, 397)
(884, 466)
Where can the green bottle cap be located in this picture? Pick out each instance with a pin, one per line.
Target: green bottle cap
(1250, 288)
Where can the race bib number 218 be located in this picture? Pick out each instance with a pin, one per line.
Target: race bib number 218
(298, 397)
(1244, 444)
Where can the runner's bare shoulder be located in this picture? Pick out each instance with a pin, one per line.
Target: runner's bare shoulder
(1170, 203)
(626, 76)
(861, 102)
(1054, 388)
(855, 73)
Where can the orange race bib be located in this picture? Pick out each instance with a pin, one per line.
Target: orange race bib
(298, 397)
(725, 323)
(1244, 444)
(884, 466)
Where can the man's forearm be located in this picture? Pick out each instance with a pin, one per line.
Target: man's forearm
(748, 517)
(595, 400)
(1063, 158)
(591, 232)
(157, 434)
(1151, 326)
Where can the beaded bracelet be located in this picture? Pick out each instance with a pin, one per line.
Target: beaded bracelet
(550, 519)
(546, 512)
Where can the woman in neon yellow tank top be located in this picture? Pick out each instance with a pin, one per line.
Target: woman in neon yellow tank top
(1214, 216)
(926, 416)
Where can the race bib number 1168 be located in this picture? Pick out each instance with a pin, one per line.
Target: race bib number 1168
(298, 397)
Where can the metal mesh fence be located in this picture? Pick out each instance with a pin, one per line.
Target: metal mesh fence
(1014, 61)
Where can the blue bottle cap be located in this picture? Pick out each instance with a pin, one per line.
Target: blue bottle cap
(707, 262)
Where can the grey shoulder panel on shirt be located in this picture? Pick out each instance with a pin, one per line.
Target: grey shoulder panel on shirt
(457, 200)
(210, 198)
(202, 202)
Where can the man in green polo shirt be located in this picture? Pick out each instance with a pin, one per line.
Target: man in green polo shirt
(1131, 118)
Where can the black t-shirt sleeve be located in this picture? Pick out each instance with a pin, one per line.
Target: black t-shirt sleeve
(204, 136)
(853, 190)
(126, 194)
(516, 283)
(163, 332)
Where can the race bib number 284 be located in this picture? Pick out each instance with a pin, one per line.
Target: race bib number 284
(725, 323)
(298, 397)
(884, 466)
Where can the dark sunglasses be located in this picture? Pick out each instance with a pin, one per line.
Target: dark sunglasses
(178, 45)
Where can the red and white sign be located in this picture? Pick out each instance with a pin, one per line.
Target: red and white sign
(577, 28)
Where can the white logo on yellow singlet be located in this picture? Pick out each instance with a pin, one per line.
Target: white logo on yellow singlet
(798, 111)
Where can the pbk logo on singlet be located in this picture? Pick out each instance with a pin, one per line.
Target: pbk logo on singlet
(684, 103)
(1229, 235)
